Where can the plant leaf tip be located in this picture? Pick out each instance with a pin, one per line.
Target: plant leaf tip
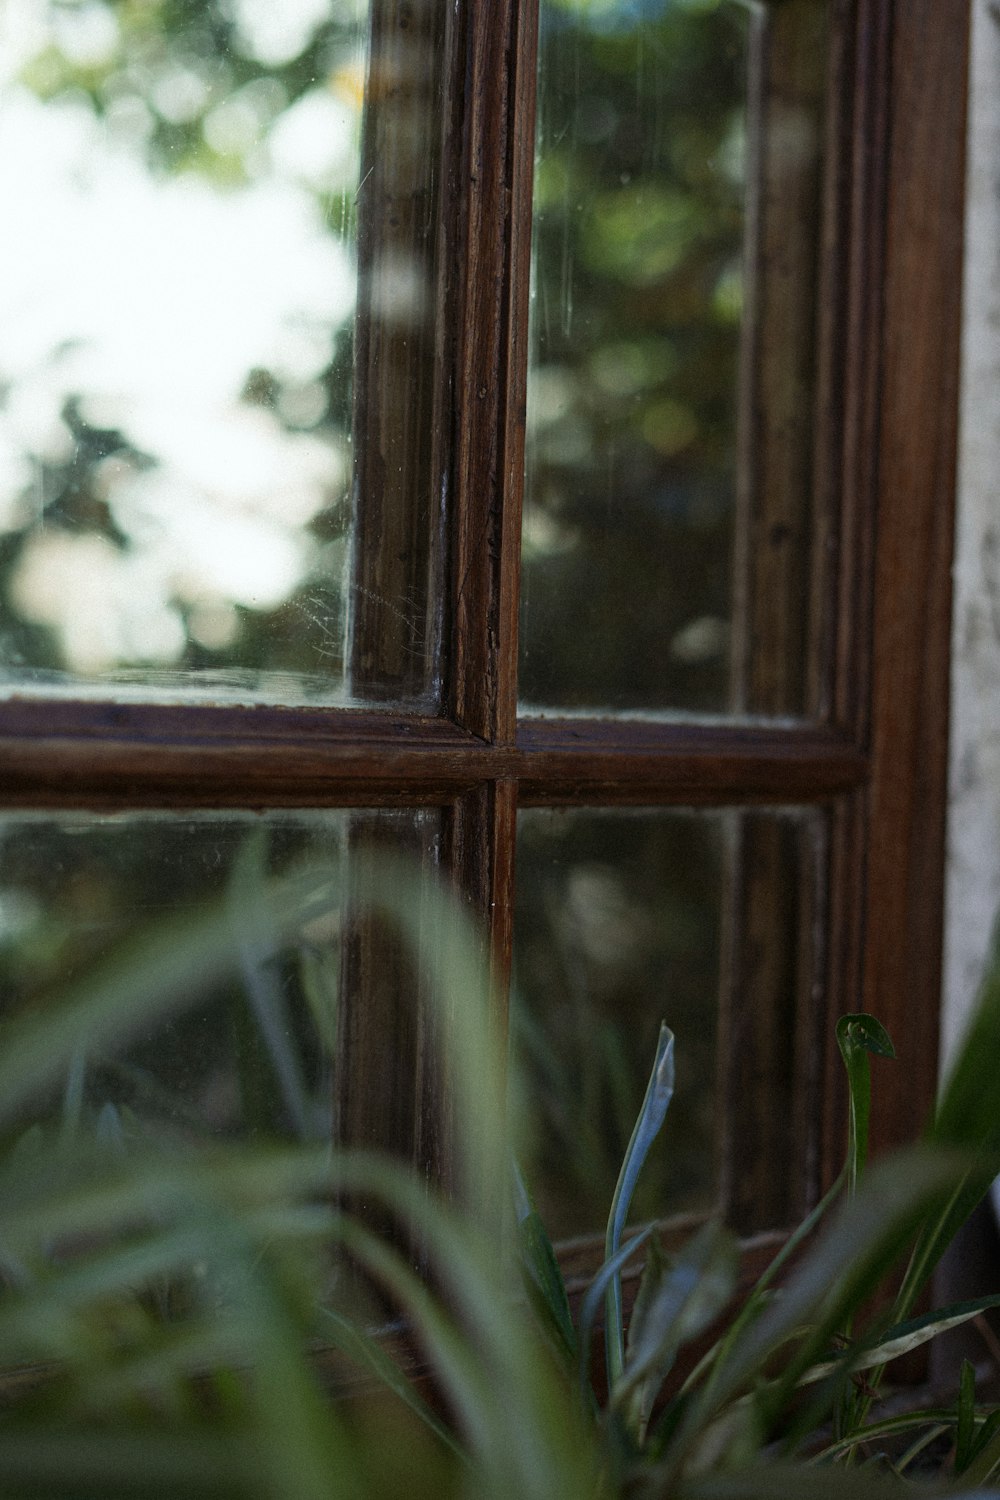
(663, 1070)
(861, 1030)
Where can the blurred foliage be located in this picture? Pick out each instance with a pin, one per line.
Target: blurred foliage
(639, 224)
(177, 61)
(161, 1303)
(231, 95)
(254, 1058)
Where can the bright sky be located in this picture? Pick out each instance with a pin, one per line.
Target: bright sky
(155, 297)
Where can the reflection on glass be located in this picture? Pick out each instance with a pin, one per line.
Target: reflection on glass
(617, 928)
(245, 1045)
(627, 918)
(177, 293)
(647, 151)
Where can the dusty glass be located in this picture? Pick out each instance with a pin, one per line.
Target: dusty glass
(180, 279)
(628, 918)
(667, 528)
(232, 931)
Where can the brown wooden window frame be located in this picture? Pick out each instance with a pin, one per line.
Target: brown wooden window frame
(874, 757)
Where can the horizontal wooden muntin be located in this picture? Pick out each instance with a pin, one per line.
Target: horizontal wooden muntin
(66, 754)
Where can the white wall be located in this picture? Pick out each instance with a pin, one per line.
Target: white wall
(973, 860)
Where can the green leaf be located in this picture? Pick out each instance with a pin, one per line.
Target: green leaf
(467, 1023)
(984, 1464)
(857, 1037)
(164, 1365)
(86, 1193)
(545, 1286)
(319, 976)
(255, 943)
(965, 1425)
(659, 1092)
(755, 1303)
(677, 1301)
(164, 971)
(941, 1228)
(597, 1291)
(731, 1442)
(934, 1419)
(989, 1424)
(368, 1354)
(968, 1116)
(902, 1337)
(521, 1417)
(860, 1031)
(306, 1446)
(851, 1258)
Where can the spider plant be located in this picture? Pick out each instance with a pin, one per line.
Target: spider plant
(160, 1301)
(785, 1401)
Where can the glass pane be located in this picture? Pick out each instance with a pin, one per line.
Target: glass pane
(231, 931)
(183, 188)
(667, 528)
(627, 918)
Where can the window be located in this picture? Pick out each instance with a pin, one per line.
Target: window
(800, 780)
